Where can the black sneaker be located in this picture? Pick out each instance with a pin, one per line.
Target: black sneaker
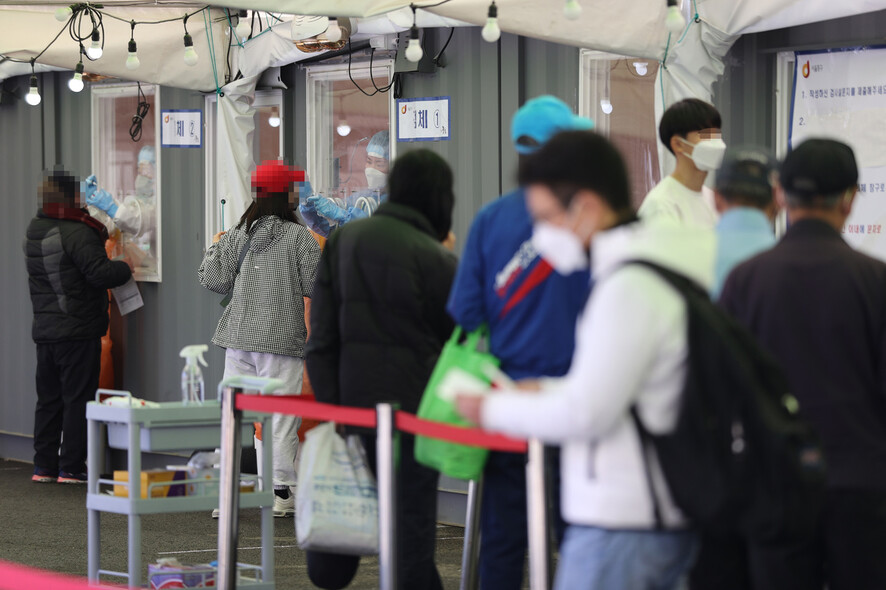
(43, 475)
(65, 477)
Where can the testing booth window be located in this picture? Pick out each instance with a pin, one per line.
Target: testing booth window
(618, 93)
(267, 144)
(349, 138)
(129, 171)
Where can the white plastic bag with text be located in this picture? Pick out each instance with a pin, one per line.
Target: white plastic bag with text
(336, 501)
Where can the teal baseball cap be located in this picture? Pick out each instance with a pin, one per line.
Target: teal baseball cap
(540, 119)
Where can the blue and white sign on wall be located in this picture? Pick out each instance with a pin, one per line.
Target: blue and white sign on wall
(181, 128)
(423, 119)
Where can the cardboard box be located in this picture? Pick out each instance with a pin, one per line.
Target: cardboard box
(152, 477)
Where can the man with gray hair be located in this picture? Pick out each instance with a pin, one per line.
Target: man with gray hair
(820, 308)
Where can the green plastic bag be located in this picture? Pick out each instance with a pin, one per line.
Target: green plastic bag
(452, 459)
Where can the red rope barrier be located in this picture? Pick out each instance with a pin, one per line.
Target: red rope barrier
(294, 405)
(297, 406)
(19, 577)
(459, 434)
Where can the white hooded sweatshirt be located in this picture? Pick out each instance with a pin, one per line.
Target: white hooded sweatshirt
(631, 348)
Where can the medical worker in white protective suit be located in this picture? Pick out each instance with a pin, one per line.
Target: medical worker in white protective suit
(323, 214)
(135, 215)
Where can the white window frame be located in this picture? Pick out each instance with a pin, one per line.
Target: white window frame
(784, 97)
(588, 89)
(212, 205)
(131, 89)
(319, 125)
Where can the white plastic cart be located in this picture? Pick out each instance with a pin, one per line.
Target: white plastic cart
(172, 426)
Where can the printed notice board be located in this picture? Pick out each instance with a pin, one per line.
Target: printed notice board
(181, 128)
(423, 119)
(841, 94)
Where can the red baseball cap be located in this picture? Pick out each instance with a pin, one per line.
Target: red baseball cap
(273, 176)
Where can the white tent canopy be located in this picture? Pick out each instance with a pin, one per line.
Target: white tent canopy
(692, 61)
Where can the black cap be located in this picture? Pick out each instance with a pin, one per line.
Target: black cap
(747, 173)
(819, 168)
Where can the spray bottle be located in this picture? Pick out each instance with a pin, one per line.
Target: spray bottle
(192, 376)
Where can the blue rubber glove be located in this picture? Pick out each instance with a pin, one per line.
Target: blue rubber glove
(89, 186)
(356, 213)
(328, 209)
(317, 223)
(103, 200)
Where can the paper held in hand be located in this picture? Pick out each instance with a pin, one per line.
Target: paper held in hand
(458, 381)
(128, 297)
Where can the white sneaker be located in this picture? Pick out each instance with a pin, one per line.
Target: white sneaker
(284, 507)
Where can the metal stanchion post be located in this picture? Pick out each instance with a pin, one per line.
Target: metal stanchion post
(539, 548)
(470, 553)
(386, 471)
(229, 491)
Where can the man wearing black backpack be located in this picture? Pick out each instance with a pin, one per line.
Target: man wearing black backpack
(625, 531)
(820, 308)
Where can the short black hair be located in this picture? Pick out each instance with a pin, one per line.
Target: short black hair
(580, 160)
(686, 116)
(422, 180)
(66, 182)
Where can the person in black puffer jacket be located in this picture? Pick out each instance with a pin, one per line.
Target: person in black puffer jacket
(68, 275)
(378, 324)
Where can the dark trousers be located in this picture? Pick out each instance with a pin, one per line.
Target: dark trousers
(503, 522)
(845, 553)
(416, 529)
(67, 377)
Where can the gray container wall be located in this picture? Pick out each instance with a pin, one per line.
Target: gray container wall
(487, 82)
(177, 311)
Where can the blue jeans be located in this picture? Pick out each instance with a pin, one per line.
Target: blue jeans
(598, 559)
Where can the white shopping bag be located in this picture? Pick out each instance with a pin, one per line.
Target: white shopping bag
(336, 501)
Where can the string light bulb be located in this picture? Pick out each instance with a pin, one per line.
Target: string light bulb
(33, 95)
(63, 13)
(343, 128)
(642, 67)
(572, 10)
(606, 106)
(333, 33)
(95, 50)
(244, 28)
(132, 61)
(414, 52)
(491, 33)
(76, 82)
(274, 118)
(674, 21)
(190, 52)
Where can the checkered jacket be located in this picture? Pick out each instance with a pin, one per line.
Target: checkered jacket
(266, 312)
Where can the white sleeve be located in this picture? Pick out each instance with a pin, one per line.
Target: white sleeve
(129, 217)
(628, 323)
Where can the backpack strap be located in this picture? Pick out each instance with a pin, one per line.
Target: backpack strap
(686, 287)
(646, 444)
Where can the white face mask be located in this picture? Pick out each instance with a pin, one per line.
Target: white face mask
(375, 178)
(707, 154)
(560, 247)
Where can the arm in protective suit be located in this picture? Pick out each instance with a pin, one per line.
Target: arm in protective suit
(130, 216)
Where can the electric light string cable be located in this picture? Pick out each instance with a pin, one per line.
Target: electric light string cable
(135, 130)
